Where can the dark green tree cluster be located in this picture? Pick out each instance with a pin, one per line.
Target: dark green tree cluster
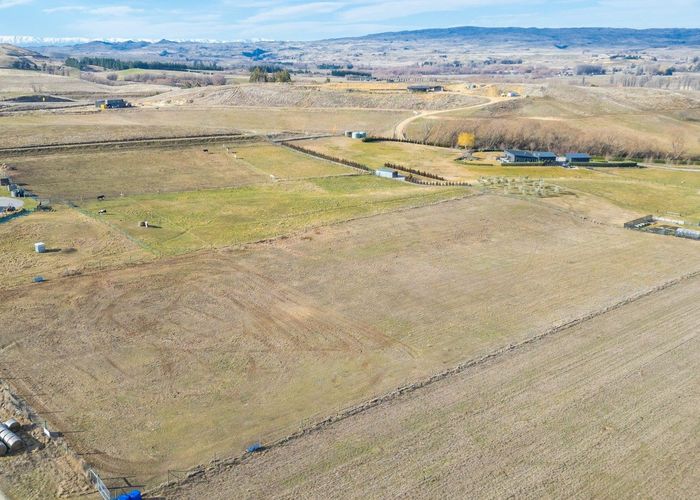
(23, 63)
(118, 65)
(258, 74)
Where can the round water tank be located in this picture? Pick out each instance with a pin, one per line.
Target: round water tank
(13, 425)
(3, 450)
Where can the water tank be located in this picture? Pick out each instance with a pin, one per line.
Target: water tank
(13, 425)
(3, 449)
(39, 247)
(12, 440)
(688, 233)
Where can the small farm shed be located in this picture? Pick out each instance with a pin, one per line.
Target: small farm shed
(578, 158)
(360, 134)
(111, 104)
(387, 173)
(425, 88)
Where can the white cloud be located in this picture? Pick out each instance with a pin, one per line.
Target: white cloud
(6, 4)
(65, 8)
(108, 10)
(295, 11)
(115, 10)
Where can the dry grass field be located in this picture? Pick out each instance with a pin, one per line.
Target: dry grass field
(192, 220)
(655, 117)
(84, 175)
(440, 161)
(274, 289)
(169, 364)
(56, 128)
(314, 96)
(629, 190)
(19, 83)
(606, 409)
(76, 244)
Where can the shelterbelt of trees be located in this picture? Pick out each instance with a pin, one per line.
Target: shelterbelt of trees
(118, 65)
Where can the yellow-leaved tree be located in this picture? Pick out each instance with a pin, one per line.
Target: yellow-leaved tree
(466, 140)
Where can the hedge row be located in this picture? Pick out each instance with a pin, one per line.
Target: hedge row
(343, 161)
(620, 164)
(414, 171)
(409, 141)
(527, 164)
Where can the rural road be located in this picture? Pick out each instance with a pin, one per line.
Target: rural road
(400, 128)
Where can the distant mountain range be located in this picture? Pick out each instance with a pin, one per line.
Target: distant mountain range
(37, 41)
(564, 37)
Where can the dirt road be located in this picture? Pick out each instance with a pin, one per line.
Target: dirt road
(400, 129)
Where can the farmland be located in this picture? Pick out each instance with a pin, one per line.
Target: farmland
(647, 190)
(187, 221)
(85, 174)
(76, 244)
(579, 406)
(200, 294)
(262, 338)
(29, 129)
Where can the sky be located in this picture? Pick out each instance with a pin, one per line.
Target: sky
(320, 19)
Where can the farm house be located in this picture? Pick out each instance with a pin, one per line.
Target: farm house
(519, 156)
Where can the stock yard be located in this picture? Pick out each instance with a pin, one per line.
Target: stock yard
(273, 289)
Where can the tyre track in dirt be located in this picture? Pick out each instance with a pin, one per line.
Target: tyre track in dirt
(215, 467)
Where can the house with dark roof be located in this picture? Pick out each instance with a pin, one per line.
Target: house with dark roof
(545, 157)
(578, 158)
(520, 156)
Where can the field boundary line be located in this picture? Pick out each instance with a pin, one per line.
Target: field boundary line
(143, 142)
(200, 472)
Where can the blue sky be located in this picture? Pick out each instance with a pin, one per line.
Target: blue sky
(317, 19)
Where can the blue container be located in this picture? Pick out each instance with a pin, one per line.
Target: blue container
(254, 447)
(39, 279)
(134, 495)
(123, 496)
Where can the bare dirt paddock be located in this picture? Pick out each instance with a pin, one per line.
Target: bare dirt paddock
(606, 409)
(169, 364)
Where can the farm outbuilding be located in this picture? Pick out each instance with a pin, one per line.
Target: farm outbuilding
(578, 158)
(426, 88)
(387, 173)
(111, 104)
(360, 134)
